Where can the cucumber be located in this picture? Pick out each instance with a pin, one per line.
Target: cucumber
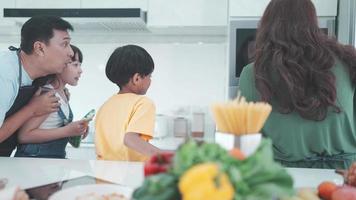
(75, 140)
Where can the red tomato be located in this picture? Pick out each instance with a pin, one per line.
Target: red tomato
(326, 189)
(159, 163)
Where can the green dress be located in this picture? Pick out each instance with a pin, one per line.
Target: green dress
(298, 142)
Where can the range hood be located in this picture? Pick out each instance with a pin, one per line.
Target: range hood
(88, 19)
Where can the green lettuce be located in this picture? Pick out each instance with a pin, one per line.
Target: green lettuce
(258, 177)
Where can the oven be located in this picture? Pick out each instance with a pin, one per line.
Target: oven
(241, 36)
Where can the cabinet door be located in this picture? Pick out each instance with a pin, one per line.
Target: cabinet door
(115, 4)
(7, 26)
(247, 8)
(325, 7)
(187, 13)
(47, 4)
(255, 8)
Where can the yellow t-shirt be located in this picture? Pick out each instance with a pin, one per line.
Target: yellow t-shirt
(120, 114)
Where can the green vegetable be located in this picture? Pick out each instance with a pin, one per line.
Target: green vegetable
(158, 187)
(89, 116)
(191, 154)
(257, 177)
(75, 141)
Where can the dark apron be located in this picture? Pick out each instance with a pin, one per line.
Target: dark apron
(23, 97)
(51, 149)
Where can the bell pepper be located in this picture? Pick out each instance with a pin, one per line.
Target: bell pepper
(205, 181)
(159, 163)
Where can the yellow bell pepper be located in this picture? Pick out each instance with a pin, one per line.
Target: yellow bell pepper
(206, 182)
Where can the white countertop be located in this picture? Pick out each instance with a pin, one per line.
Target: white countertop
(30, 172)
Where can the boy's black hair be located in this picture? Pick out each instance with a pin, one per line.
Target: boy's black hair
(76, 50)
(126, 61)
(40, 28)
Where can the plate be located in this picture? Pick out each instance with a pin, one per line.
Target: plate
(99, 189)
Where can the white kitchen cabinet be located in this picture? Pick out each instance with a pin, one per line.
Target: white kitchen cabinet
(5, 4)
(247, 8)
(187, 13)
(6, 26)
(81, 4)
(255, 8)
(115, 4)
(47, 4)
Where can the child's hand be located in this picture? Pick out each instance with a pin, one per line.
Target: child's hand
(77, 128)
(20, 195)
(86, 133)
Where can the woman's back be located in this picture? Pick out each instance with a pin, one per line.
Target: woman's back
(297, 139)
(310, 81)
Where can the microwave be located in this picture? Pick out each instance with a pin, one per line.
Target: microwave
(241, 48)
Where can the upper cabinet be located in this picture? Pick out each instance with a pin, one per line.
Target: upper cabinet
(247, 8)
(255, 8)
(81, 4)
(187, 13)
(6, 26)
(115, 4)
(47, 4)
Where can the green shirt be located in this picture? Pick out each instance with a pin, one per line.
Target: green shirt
(298, 142)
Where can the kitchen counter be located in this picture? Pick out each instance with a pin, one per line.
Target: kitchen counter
(30, 172)
(86, 151)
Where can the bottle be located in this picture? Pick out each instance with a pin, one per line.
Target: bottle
(198, 124)
(161, 126)
(180, 127)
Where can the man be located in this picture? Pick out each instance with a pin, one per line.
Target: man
(45, 49)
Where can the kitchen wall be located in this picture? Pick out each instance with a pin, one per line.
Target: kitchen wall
(187, 76)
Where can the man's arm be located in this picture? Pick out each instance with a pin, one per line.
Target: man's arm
(12, 123)
(39, 105)
(31, 133)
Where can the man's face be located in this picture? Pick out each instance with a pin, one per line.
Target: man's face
(57, 52)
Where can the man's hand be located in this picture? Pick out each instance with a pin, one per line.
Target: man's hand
(44, 103)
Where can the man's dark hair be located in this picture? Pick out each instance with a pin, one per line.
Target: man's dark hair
(126, 61)
(40, 28)
(76, 51)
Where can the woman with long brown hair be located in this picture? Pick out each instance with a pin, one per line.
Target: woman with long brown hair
(309, 79)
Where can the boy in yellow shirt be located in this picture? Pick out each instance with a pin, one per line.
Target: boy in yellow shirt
(125, 122)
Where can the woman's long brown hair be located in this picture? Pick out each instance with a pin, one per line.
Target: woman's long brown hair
(294, 58)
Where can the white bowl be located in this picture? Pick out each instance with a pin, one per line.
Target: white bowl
(100, 189)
